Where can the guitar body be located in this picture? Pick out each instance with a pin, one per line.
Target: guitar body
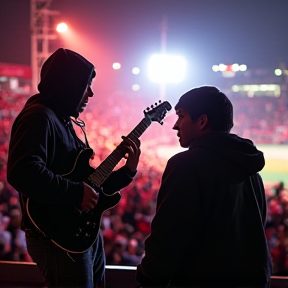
(69, 228)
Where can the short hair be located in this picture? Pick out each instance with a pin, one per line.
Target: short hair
(211, 101)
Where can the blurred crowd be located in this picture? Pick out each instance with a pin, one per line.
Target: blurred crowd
(126, 225)
(263, 119)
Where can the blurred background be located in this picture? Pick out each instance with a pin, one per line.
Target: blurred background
(146, 51)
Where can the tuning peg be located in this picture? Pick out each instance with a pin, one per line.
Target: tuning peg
(160, 101)
(148, 108)
(156, 104)
(152, 106)
(161, 122)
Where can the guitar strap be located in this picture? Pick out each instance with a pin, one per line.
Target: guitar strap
(81, 124)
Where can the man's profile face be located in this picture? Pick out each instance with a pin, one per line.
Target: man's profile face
(187, 129)
(83, 103)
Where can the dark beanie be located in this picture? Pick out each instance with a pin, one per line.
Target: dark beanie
(211, 101)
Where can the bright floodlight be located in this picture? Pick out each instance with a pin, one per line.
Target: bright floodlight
(116, 66)
(166, 68)
(61, 28)
(135, 70)
(243, 67)
(278, 72)
(235, 67)
(215, 68)
(222, 67)
(135, 87)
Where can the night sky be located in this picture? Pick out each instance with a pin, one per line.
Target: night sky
(211, 31)
(205, 32)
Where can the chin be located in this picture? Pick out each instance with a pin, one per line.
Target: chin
(184, 145)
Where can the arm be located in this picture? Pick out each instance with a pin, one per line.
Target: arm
(31, 152)
(260, 196)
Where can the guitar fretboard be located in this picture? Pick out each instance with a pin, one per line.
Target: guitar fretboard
(102, 172)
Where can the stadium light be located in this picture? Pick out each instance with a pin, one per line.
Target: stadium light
(163, 68)
(62, 27)
(278, 72)
(229, 70)
(116, 66)
(135, 70)
(135, 87)
(243, 67)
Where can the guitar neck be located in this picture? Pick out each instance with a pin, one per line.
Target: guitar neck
(102, 172)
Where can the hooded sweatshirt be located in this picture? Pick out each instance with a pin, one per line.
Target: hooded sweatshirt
(43, 144)
(210, 217)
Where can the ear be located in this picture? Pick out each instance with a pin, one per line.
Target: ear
(203, 122)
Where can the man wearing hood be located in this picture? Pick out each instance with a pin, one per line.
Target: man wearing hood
(43, 148)
(208, 230)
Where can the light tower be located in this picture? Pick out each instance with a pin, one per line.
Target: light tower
(163, 51)
(42, 31)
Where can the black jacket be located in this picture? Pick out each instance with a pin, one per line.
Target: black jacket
(43, 144)
(209, 224)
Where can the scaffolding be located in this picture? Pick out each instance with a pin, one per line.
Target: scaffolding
(42, 22)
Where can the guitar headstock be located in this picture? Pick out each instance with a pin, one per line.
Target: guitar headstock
(158, 111)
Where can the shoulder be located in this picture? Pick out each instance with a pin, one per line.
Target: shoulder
(38, 118)
(189, 157)
(191, 161)
(38, 109)
(181, 163)
(36, 112)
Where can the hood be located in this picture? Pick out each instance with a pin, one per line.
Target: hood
(239, 155)
(64, 78)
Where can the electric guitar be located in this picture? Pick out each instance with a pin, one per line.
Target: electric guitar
(72, 229)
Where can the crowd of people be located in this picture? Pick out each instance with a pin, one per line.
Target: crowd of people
(126, 225)
(264, 119)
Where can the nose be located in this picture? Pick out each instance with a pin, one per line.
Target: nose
(175, 127)
(90, 92)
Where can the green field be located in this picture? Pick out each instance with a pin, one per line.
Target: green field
(276, 167)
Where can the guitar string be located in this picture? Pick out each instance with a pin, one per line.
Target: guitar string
(106, 167)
